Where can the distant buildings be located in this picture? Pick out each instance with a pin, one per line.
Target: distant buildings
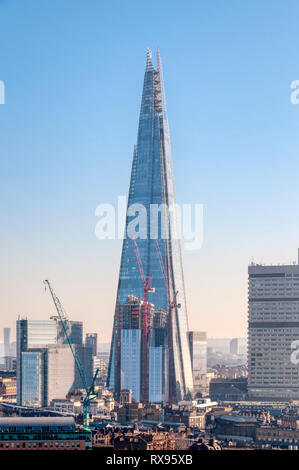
(9, 352)
(6, 334)
(75, 331)
(8, 388)
(198, 352)
(225, 389)
(10, 363)
(91, 340)
(273, 330)
(235, 426)
(125, 397)
(45, 365)
(237, 346)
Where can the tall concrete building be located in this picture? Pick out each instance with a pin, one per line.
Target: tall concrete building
(198, 351)
(152, 188)
(273, 330)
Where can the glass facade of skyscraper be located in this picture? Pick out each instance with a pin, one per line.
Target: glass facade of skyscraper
(152, 186)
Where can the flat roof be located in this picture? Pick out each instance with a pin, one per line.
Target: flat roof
(37, 421)
(238, 418)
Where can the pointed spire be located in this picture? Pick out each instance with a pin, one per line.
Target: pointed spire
(149, 62)
(159, 63)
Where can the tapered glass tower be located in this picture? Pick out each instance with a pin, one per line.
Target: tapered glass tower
(152, 195)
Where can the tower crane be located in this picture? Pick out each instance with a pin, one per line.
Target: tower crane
(146, 289)
(171, 305)
(88, 390)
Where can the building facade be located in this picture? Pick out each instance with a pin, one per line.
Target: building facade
(198, 352)
(33, 336)
(6, 335)
(91, 341)
(273, 332)
(152, 192)
(131, 361)
(75, 331)
(61, 371)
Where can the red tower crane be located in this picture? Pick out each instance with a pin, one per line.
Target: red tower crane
(146, 289)
(171, 305)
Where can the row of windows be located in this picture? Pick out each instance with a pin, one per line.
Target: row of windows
(38, 445)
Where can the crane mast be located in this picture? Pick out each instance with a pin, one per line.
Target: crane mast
(64, 323)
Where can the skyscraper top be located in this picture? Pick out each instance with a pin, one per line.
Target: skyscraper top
(149, 60)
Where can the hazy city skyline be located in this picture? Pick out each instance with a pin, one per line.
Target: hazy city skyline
(228, 71)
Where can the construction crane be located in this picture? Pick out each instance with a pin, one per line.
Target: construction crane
(171, 305)
(88, 390)
(146, 289)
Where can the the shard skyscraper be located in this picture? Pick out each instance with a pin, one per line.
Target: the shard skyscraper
(168, 367)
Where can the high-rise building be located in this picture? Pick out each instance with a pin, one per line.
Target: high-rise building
(152, 188)
(84, 353)
(33, 336)
(75, 331)
(128, 375)
(91, 340)
(273, 330)
(61, 371)
(235, 346)
(198, 351)
(34, 387)
(6, 334)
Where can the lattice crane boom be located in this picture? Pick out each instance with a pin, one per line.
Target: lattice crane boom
(88, 390)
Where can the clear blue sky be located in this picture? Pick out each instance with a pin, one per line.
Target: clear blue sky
(73, 73)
